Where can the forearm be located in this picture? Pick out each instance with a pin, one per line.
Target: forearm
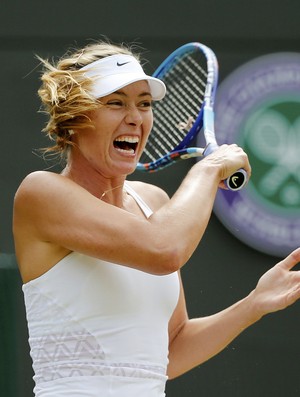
(200, 339)
(193, 342)
(188, 212)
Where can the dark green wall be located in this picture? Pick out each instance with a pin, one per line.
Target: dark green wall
(264, 360)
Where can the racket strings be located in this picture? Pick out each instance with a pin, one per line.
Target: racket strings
(186, 81)
(166, 116)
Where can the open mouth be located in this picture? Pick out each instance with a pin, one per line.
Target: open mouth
(126, 144)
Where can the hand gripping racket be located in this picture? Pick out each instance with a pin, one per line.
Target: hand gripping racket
(191, 76)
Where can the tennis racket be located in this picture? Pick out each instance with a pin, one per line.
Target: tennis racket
(191, 76)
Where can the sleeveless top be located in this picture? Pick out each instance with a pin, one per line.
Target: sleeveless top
(98, 329)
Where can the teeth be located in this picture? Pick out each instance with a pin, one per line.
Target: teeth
(126, 144)
(130, 139)
(125, 151)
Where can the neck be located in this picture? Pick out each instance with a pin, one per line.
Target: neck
(106, 189)
(110, 191)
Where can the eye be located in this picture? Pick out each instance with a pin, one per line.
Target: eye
(114, 103)
(146, 104)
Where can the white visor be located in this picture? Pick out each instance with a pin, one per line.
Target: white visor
(111, 73)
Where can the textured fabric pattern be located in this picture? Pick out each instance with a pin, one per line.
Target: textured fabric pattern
(99, 329)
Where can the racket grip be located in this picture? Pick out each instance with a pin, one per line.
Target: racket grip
(237, 180)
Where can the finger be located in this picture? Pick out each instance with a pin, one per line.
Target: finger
(291, 260)
(222, 185)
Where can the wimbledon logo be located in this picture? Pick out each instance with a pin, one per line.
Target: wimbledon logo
(258, 107)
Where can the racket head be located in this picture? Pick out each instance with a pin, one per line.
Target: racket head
(191, 77)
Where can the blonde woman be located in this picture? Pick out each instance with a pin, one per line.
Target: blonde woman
(104, 299)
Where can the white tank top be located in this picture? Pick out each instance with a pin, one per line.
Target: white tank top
(98, 329)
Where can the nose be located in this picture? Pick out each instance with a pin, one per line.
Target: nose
(133, 116)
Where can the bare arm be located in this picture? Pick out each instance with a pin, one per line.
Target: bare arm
(53, 210)
(193, 342)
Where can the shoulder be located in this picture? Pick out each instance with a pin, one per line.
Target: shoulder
(35, 180)
(43, 183)
(40, 178)
(41, 188)
(153, 195)
(31, 184)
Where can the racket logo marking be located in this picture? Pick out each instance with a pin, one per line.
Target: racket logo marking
(234, 180)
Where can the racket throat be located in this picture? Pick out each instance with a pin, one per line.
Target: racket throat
(210, 148)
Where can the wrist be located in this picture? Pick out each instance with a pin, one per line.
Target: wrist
(208, 169)
(253, 308)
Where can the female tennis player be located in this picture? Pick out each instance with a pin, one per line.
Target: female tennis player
(100, 257)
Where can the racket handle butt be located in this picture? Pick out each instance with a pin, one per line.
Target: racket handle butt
(237, 180)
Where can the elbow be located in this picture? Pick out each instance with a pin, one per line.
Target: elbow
(168, 260)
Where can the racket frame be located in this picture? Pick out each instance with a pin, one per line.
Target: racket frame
(204, 121)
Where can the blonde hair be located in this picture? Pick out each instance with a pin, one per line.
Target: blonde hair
(65, 92)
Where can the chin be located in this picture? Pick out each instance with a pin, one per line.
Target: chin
(127, 168)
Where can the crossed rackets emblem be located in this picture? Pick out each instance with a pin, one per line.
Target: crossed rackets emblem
(275, 141)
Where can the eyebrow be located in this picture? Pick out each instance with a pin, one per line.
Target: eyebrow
(145, 93)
